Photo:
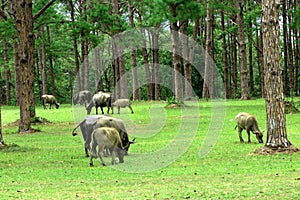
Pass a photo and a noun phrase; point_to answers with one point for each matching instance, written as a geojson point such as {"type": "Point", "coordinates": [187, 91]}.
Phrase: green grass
{"type": "Point", "coordinates": [50, 164]}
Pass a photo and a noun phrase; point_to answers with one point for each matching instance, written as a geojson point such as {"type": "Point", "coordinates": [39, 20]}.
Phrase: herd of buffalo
{"type": "Point", "coordinates": [109, 134]}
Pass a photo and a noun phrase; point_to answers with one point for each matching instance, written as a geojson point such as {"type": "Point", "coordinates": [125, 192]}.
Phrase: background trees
{"type": "Point", "coordinates": [70, 30]}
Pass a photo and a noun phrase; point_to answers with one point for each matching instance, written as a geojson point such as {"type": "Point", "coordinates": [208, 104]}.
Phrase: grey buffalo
{"type": "Point", "coordinates": [91, 122]}
{"type": "Point", "coordinates": [49, 99]}
{"type": "Point", "coordinates": [100, 99]}
{"type": "Point", "coordinates": [83, 97]}
{"type": "Point", "coordinates": [106, 137]}
{"type": "Point", "coordinates": [249, 123]}
{"type": "Point", "coordinates": [122, 103]}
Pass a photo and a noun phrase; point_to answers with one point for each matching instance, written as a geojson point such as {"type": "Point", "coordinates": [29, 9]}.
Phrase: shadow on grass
{"type": "Point", "coordinates": [13, 148]}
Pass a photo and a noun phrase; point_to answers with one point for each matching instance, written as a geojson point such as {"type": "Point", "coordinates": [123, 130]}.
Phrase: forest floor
{"type": "Point", "coordinates": [190, 152]}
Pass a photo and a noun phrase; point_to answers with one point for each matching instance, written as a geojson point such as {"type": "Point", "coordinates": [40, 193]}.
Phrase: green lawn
{"type": "Point", "coordinates": [179, 154]}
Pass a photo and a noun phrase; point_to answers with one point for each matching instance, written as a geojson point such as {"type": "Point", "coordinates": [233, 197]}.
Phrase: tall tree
{"type": "Point", "coordinates": [242, 49]}
{"type": "Point", "coordinates": [208, 73]}
{"type": "Point", "coordinates": [1, 136]}
{"type": "Point", "coordinates": [135, 87]}
{"type": "Point", "coordinates": [277, 139]}
{"type": "Point", "coordinates": [176, 60]}
{"type": "Point", "coordinates": [24, 58]}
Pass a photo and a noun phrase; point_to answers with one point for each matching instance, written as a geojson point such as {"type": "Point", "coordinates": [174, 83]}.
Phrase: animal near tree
{"type": "Point", "coordinates": [277, 139]}
{"type": "Point", "coordinates": [24, 58]}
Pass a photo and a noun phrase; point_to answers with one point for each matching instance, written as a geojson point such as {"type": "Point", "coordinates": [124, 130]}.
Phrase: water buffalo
{"type": "Point", "coordinates": [49, 99]}
{"type": "Point", "coordinates": [92, 122]}
{"type": "Point", "coordinates": [100, 99]}
{"type": "Point", "coordinates": [106, 137]}
{"type": "Point", "coordinates": [122, 103]}
{"type": "Point", "coordinates": [83, 97]}
{"type": "Point", "coordinates": [249, 123]}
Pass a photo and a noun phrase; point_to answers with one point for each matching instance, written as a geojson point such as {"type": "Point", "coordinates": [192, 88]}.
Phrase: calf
{"type": "Point", "coordinates": [249, 123]}
{"type": "Point", "coordinates": [49, 99]}
{"type": "Point", "coordinates": [122, 103]}
{"type": "Point", "coordinates": [106, 137]}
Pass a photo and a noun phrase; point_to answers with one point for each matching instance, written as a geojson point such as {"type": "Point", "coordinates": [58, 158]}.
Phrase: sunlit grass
{"type": "Point", "coordinates": [50, 164]}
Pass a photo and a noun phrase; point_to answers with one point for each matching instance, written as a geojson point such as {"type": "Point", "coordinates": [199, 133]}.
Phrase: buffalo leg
{"type": "Point", "coordinates": [113, 161]}
{"type": "Point", "coordinates": [248, 132]}
{"type": "Point", "coordinates": [86, 152]}
{"type": "Point", "coordinates": [130, 109]}
{"type": "Point", "coordinates": [100, 152]}
{"type": "Point", "coordinates": [102, 110]}
{"type": "Point", "coordinates": [240, 135]}
{"type": "Point", "coordinates": [118, 109]}
{"type": "Point", "coordinates": [91, 160]}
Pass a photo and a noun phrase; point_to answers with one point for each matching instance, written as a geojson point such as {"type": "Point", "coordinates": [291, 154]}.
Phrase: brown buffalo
{"type": "Point", "coordinates": [249, 123]}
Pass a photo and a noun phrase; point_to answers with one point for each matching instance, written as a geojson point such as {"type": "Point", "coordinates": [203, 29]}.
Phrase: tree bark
{"type": "Point", "coordinates": [176, 61]}
{"type": "Point", "coordinates": [7, 73]}
{"type": "Point", "coordinates": [51, 69]}
{"type": "Point", "coordinates": [225, 57]}
{"type": "Point", "coordinates": [234, 65]}
{"type": "Point", "coordinates": [155, 49]}
{"type": "Point", "coordinates": [242, 50]}
{"type": "Point", "coordinates": [276, 120]}
{"type": "Point", "coordinates": [43, 62]}
{"type": "Point", "coordinates": [208, 72]}
{"type": "Point", "coordinates": [24, 60]}
{"type": "Point", "coordinates": [135, 82]}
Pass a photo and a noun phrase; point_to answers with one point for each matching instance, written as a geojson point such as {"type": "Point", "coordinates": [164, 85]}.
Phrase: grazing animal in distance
{"type": "Point", "coordinates": [100, 99]}
{"type": "Point", "coordinates": [249, 123]}
{"type": "Point", "coordinates": [49, 99]}
{"type": "Point", "coordinates": [106, 137]}
{"type": "Point", "coordinates": [91, 122]}
{"type": "Point", "coordinates": [122, 103]}
{"type": "Point", "coordinates": [83, 97]}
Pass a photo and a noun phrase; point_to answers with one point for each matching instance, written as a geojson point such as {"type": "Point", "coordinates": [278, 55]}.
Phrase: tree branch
{"type": "Point", "coordinates": [43, 9]}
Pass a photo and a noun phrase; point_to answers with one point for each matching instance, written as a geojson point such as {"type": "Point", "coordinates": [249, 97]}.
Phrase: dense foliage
{"type": "Point", "coordinates": [69, 31]}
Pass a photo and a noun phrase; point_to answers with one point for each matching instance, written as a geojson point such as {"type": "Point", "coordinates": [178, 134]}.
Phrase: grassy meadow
{"type": "Point", "coordinates": [180, 153]}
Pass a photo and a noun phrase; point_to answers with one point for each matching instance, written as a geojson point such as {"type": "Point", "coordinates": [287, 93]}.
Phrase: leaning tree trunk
{"type": "Point", "coordinates": [276, 122]}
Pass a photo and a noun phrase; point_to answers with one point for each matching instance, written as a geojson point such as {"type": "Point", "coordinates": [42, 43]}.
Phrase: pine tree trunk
{"type": "Point", "coordinates": [234, 65]}
{"type": "Point", "coordinates": [242, 51]}
{"type": "Point", "coordinates": [75, 49]}
{"type": "Point", "coordinates": [155, 37]}
{"type": "Point", "coordinates": [135, 82]}
{"type": "Point", "coordinates": [43, 62]}
{"type": "Point", "coordinates": [24, 60]}
{"type": "Point", "coordinates": [187, 66]}
{"type": "Point", "coordinates": [259, 45]}
{"type": "Point", "coordinates": [1, 136]}
{"type": "Point", "coordinates": [51, 69]}
{"type": "Point", "coordinates": [276, 120]}
{"type": "Point", "coordinates": [225, 60]}
{"type": "Point", "coordinates": [176, 60]}
{"type": "Point", "coordinates": [7, 73]}
{"type": "Point", "coordinates": [208, 72]}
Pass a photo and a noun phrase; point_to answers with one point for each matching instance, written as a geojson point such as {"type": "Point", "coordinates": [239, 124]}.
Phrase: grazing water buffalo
{"type": "Point", "coordinates": [122, 103]}
{"type": "Point", "coordinates": [249, 123]}
{"type": "Point", "coordinates": [49, 99]}
{"type": "Point", "coordinates": [92, 122]}
{"type": "Point", "coordinates": [106, 137]}
{"type": "Point", "coordinates": [83, 97]}
{"type": "Point", "coordinates": [100, 99]}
